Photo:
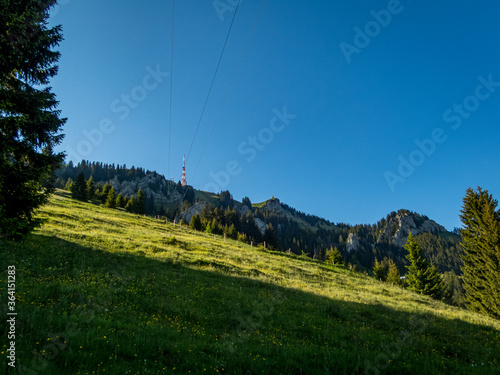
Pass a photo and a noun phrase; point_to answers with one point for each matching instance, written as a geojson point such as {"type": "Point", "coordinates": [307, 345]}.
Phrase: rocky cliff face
{"type": "Point", "coordinates": [403, 223]}
{"type": "Point", "coordinates": [151, 185]}
{"type": "Point", "coordinates": [275, 205]}
{"type": "Point", "coordinates": [261, 225]}
{"type": "Point", "coordinates": [190, 212]}
{"type": "Point", "coordinates": [242, 210]}
{"type": "Point", "coordinates": [352, 243]}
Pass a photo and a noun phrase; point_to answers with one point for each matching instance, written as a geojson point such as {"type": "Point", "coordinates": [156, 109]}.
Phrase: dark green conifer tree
{"type": "Point", "coordinates": [195, 222]}
{"type": "Point", "coordinates": [130, 206]}
{"type": "Point", "coordinates": [379, 270]}
{"type": "Point", "coordinates": [120, 201]}
{"type": "Point", "coordinates": [455, 288]}
{"type": "Point", "coordinates": [105, 192]}
{"type": "Point", "coordinates": [270, 237]}
{"type": "Point", "coordinates": [162, 211]}
{"type": "Point", "coordinates": [246, 202]}
{"type": "Point", "coordinates": [29, 121]}
{"type": "Point", "coordinates": [68, 184]}
{"type": "Point", "coordinates": [226, 200]}
{"type": "Point", "coordinates": [422, 277]}
{"type": "Point", "coordinates": [209, 228]}
{"type": "Point", "coordinates": [111, 200]}
{"type": "Point", "coordinates": [189, 194]}
{"type": "Point", "coordinates": [90, 188]}
{"type": "Point", "coordinates": [334, 257]}
{"type": "Point", "coordinates": [481, 244]}
{"type": "Point", "coordinates": [393, 275]}
{"type": "Point", "coordinates": [216, 227]}
{"type": "Point", "coordinates": [140, 203]}
{"type": "Point", "coordinates": [230, 231]}
{"type": "Point", "coordinates": [79, 188]}
{"type": "Point", "coordinates": [150, 205]}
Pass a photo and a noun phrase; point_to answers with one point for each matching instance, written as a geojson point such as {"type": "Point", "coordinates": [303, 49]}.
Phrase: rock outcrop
{"type": "Point", "coordinates": [190, 212]}
{"type": "Point", "coordinates": [261, 225]}
{"type": "Point", "coordinates": [152, 185]}
{"type": "Point", "coordinates": [275, 205]}
{"type": "Point", "coordinates": [242, 210]}
{"type": "Point", "coordinates": [403, 223]}
{"type": "Point", "coordinates": [352, 242]}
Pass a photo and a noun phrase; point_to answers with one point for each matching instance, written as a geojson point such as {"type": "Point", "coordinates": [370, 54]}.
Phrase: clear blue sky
{"type": "Point", "coordinates": [354, 109]}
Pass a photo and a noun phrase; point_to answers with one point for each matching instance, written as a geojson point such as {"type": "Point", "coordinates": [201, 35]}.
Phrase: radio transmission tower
{"type": "Point", "coordinates": [183, 182]}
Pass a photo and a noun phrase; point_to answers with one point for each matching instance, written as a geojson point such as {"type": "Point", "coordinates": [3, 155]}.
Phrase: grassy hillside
{"type": "Point", "coordinates": [205, 196]}
{"type": "Point", "coordinates": [100, 291]}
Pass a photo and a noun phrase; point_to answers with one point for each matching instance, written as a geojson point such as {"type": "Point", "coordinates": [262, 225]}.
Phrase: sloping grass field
{"type": "Point", "coordinates": [101, 291]}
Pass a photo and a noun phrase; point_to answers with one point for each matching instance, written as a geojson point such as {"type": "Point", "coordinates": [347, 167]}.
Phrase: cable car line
{"type": "Point", "coordinates": [219, 113]}
{"type": "Point", "coordinates": [213, 80]}
{"type": "Point", "coordinates": [171, 89]}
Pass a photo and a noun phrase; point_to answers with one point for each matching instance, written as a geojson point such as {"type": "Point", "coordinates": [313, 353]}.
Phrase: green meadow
{"type": "Point", "coordinates": [101, 291]}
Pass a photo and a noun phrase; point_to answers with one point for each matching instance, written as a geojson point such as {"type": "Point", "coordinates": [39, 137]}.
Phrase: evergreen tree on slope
{"type": "Point", "coordinates": [195, 222]}
{"type": "Point", "coordinates": [334, 257]}
{"type": "Point", "coordinates": [79, 188]}
{"type": "Point", "coordinates": [29, 121]}
{"type": "Point", "coordinates": [393, 275]}
{"type": "Point", "coordinates": [422, 277]}
{"type": "Point", "coordinates": [481, 244]}
{"type": "Point", "coordinates": [105, 192]}
{"type": "Point", "coordinates": [379, 270]}
{"type": "Point", "coordinates": [140, 203]}
{"type": "Point", "coordinates": [270, 237]}
{"type": "Point", "coordinates": [111, 199]}
{"type": "Point", "coordinates": [90, 188]}
{"type": "Point", "coordinates": [120, 201]}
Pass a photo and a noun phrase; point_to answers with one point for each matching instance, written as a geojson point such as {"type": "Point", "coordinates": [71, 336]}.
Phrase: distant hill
{"type": "Point", "coordinates": [295, 231]}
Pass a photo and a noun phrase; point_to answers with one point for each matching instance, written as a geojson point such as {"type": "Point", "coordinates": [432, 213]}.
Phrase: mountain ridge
{"type": "Point", "coordinates": [155, 185]}
{"type": "Point", "coordinates": [296, 231]}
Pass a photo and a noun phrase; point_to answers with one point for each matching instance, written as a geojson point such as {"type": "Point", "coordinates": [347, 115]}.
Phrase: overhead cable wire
{"type": "Point", "coordinates": [236, 71]}
{"type": "Point", "coordinates": [171, 90]}
{"type": "Point", "coordinates": [213, 80]}
{"type": "Point", "coordinates": [252, 31]}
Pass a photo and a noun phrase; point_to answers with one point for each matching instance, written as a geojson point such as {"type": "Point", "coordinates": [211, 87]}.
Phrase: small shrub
{"type": "Point", "coordinates": [172, 241]}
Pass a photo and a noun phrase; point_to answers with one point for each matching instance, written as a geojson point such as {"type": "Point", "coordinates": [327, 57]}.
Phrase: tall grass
{"type": "Point", "coordinates": [100, 291]}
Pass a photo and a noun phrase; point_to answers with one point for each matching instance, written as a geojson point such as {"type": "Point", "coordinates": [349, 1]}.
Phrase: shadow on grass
{"type": "Point", "coordinates": [82, 310]}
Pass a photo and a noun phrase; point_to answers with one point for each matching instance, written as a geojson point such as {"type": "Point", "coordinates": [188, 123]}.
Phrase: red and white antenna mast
{"type": "Point", "coordinates": [183, 182]}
